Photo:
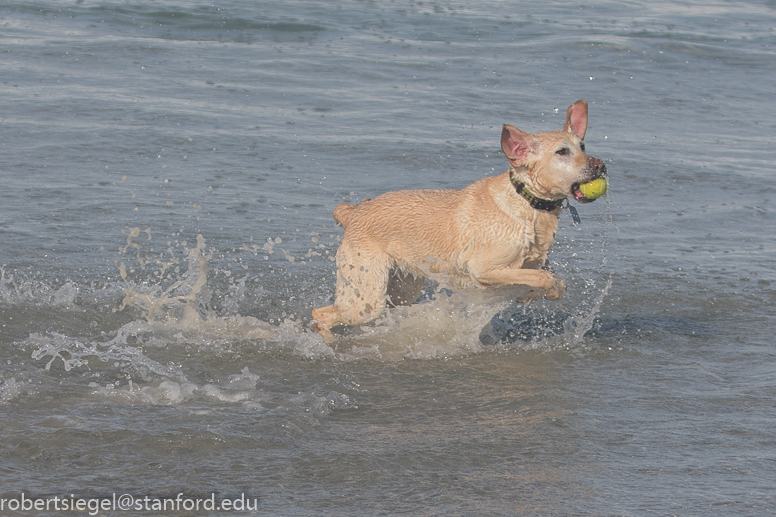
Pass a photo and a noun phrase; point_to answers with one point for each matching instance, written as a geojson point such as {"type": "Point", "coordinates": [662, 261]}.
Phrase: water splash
{"type": "Point", "coordinates": [182, 305]}
{"type": "Point", "coordinates": [172, 292]}
{"type": "Point", "coordinates": [544, 325]}
{"type": "Point", "coordinates": [579, 325]}
{"type": "Point", "coordinates": [445, 325]}
{"type": "Point", "coordinates": [181, 300]}
{"type": "Point", "coordinates": [74, 353]}
{"type": "Point", "coordinates": [239, 387]}
{"type": "Point", "coordinates": [10, 389]}
{"type": "Point", "coordinates": [174, 310]}
{"type": "Point", "coordinates": [18, 291]}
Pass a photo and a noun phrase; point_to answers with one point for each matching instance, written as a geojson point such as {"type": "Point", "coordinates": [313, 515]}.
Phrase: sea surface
{"type": "Point", "coordinates": [168, 172]}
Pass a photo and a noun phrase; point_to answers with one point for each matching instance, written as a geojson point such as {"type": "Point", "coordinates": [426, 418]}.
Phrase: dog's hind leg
{"type": "Point", "coordinates": [362, 280]}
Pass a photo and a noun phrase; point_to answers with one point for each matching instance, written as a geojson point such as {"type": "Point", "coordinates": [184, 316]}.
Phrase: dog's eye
{"type": "Point", "coordinates": [582, 146]}
{"type": "Point", "coordinates": [563, 152]}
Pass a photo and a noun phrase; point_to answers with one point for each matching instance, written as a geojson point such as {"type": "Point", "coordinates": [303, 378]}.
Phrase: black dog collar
{"type": "Point", "coordinates": [548, 205]}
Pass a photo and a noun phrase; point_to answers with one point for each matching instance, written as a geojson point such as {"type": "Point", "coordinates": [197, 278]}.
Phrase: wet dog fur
{"type": "Point", "coordinates": [486, 234]}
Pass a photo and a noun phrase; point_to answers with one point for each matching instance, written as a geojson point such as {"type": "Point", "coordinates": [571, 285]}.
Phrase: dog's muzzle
{"type": "Point", "coordinates": [595, 169]}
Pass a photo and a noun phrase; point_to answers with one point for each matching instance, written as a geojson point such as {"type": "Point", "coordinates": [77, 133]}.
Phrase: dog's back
{"type": "Point", "coordinates": [412, 225]}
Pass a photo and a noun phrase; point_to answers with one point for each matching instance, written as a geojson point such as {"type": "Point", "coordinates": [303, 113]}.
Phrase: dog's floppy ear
{"type": "Point", "coordinates": [515, 144]}
{"type": "Point", "coordinates": [576, 119]}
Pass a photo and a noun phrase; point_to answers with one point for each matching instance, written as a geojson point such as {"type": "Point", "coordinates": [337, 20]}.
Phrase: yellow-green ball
{"type": "Point", "coordinates": [593, 189]}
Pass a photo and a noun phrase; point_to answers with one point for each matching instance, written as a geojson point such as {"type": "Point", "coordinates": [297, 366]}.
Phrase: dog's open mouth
{"type": "Point", "coordinates": [590, 191]}
{"type": "Point", "coordinates": [595, 186]}
{"type": "Point", "coordinates": [577, 194]}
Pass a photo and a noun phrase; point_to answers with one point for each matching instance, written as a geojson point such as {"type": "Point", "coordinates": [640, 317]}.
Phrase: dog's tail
{"type": "Point", "coordinates": [343, 213]}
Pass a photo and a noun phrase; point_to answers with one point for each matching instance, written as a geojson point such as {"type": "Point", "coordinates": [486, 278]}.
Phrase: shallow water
{"type": "Point", "coordinates": [169, 172]}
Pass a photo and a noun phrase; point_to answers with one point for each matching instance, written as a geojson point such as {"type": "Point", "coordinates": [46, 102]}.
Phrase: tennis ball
{"type": "Point", "coordinates": [593, 189]}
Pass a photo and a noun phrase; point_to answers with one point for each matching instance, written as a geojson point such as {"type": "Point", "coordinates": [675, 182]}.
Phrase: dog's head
{"type": "Point", "coordinates": [553, 165]}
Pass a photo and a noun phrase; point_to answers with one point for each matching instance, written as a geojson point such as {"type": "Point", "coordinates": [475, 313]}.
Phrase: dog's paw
{"type": "Point", "coordinates": [531, 295]}
{"type": "Point", "coordinates": [323, 331]}
{"type": "Point", "coordinates": [557, 290]}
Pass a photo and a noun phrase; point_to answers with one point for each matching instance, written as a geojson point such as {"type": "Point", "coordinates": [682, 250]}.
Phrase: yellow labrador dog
{"type": "Point", "coordinates": [496, 232]}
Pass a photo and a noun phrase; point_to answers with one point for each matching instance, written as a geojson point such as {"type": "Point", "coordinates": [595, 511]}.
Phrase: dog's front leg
{"type": "Point", "coordinates": [553, 287]}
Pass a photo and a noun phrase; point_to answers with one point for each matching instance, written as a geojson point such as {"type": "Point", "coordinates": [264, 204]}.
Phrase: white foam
{"type": "Point", "coordinates": [240, 387]}
{"type": "Point", "coordinates": [74, 353]}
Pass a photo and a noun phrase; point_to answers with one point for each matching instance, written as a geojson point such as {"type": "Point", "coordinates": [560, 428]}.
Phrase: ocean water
{"type": "Point", "coordinates": [168, 172]}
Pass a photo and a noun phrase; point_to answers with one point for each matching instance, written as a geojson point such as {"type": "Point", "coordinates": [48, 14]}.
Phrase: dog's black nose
{"type": "Point", "coordinates": [598, 166]}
